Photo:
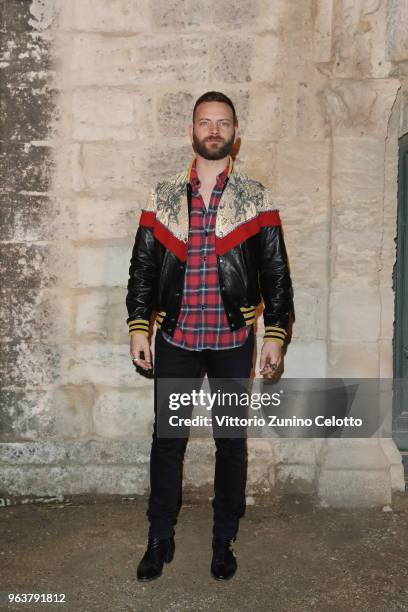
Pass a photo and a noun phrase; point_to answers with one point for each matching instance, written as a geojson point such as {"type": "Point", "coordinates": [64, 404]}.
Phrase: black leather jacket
{"type": "Point", "coordinates": [251, 257]}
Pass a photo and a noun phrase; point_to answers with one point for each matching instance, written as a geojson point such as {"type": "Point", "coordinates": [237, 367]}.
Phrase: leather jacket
{"type": "Point", "coordinates": [251, 257]}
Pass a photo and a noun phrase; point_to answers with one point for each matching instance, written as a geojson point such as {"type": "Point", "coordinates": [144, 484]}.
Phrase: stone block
{"type": "Point", "coordinates": [272, 112]}
{"type": "Point", "coordinates": [101, 315]}
{"type": "Point", "coordinates": [307, 252]}
{"type": "Point", "coordinates": [294, 451]}
{"type": "Point", "coordinates": [231, 59]}
{"type": "Point", "coordinates": [69, 175]}
{"type": "Point", "coordinates": [103, 266]}
{"type": "Point", "coordinates": [386, 358]}
{"type": "Point", "coordinates": [355, 315]}
{"type": "Point", "coordinates": [91, 312]}
{"type": "Point", "coordinates": [295, 479]}
{"type": "Point", "coordinates": [114, 168]}
{"type": "Point", "coordinates": [107, 218]}
{"type": "Point", "coordinates": [27, 362]}
{"type": "Point", "coordinates": [43, 314]}
{"type": "Point", "coordinates": [258, 162]}
{"type": "Point", "coordinates": [97, 60]}
{"type": "Point", "coordinates": [110, 168]}
{"type": "Point", "coordinates": [199, 462]}
{"type": "Point", "coordinates": [355, 260]}
{"type": "Point", "coordinates": [237, 15]}
{"type": "Point", "coordinates": [311, 314]}
{"type": "Point", "coordinates": [26, 60]}
{"type": "Point", "coordinates": [387, 296]}
{"type": "Point", "coordinates": [260, 460]}
{"type": "Point", "coordinates": [306, 359]}
{"type": "Point", "coordinates": [108, 480]}
{"type": "Point", "coordinates": [26, 167]}
{"type": "Point", "coordinates": [396, 466]}
{"type": "Point", "coordinates": [168, 16]}
{"type": "Point", "coordinates": [25, 414]}
{"type": "Point", "coordinates": [359, 108]}
{"type": "Point", "coordinates": [174, 113]}
{"type": "Point", "coordinates": [354, 473]}
{"type": "Point", "coordinates": [309, 195]}
{"type": "Point", "coordinates": [92, 122]}
{"type": "Point", "coordinates": [99, 364]}
{"type": "Point", "coordinates": [358, 165]}
{"type": "Point", "coordinates": [32, 481]}
{"type": "Point", "coordinates": [123, 414]}
{"type": "Point", "coordinates": [311, 119]}
{"type": "Point", "coordinates": [353, 489]}
{"type": "Point", "coordinates": [53, 481]}
{"type": "Point", "coordinates": [359, 40]}
{"type": "Point", "coordinates": [323, 31]}
{"type": "Point", "coordinates": [357, 359]}
{"type": "Point", "coordinates": [396, 41]}
{"type": "Point", "coordinates": [110, 15]}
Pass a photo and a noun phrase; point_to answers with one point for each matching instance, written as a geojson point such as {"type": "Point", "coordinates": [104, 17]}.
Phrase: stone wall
{"type": "Point", "coordinates": [95, 101]}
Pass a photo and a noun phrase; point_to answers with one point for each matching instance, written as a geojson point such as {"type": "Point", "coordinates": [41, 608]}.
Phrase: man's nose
{"type": "Point", "coordinates": [214, 128]}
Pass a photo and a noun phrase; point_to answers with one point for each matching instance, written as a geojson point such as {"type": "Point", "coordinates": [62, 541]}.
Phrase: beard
{"type": "Point", "coordinates": [208, 150]}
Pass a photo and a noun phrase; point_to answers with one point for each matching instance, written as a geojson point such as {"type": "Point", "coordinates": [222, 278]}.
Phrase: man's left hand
{"type": "Point", "coordinates": [271, 358]}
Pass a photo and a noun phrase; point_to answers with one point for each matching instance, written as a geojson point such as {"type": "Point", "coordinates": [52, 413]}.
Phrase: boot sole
{"type": "Point", "coordinates": [223, 579]}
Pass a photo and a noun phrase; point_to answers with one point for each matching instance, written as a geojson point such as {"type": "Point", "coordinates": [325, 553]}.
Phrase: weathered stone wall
{"type": "Point", "coordinates": [95, 101]}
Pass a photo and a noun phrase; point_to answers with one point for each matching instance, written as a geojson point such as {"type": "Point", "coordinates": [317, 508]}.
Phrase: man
{"type": "Point", "coordinates": [209, 245]}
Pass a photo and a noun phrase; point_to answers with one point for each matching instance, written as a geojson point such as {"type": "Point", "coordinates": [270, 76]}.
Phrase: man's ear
{"type": "Point", "coordinates": [190, 131]}
{"type": "Point", "coordinates": [237, 132]}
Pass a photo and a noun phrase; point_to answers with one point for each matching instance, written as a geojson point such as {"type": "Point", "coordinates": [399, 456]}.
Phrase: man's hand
{"type": "Point", "coordinates": [271, 358]}
{"type": "Point", "coordinates": [139, 343]}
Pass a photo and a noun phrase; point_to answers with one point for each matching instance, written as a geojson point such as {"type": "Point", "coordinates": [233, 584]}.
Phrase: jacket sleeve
{"type": "Point", "coordinates": [143, 274]}
{"type": "Point", "coordinates": [274, 274]}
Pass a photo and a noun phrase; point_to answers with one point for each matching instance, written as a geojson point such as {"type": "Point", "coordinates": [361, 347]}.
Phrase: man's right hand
{"type": "Point", "coordinates": [139, 343]}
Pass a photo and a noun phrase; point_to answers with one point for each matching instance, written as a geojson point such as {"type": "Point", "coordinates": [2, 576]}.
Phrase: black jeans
{"type": "Point", "coordinates": [167, 454]}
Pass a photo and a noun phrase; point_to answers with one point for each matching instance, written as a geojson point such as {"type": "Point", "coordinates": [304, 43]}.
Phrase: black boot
{"type": "Point", "coordinates": [158, 551]}
{"type": "Point", "coordinates": [224, 563]}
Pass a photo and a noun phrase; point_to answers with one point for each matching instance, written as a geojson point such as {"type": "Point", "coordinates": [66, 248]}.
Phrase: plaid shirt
{"type": "Point", "coordinates": [202, 322]}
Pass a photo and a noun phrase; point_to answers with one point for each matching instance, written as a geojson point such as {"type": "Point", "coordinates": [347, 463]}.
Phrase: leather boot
{"type": "Point", "coordinates": [224, 563]}
{"type": "Point", "coordinates": [158, 551]}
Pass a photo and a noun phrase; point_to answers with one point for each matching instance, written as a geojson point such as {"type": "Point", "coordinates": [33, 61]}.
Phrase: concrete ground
{"type": "Point", "coordinates": [292, 556]}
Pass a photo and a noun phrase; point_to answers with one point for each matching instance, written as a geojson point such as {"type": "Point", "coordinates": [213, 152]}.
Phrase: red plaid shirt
{"type": "Point", "coordinates": [202, 322]}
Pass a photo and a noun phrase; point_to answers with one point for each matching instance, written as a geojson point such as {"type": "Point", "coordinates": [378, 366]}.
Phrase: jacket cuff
{"type": "Point", "coordinates": [274, 334]}
{"type": "Point", "coordinates": [138, 326]}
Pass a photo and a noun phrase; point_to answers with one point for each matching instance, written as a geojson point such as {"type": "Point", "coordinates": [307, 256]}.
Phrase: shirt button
{"type": "Point", "coordinates": [221, 259]}
{"type": "Point", "coordinates": [223, 288]}
{"type": "Point", "coordinates": [204, 258]}
{"type": "Point", "coordinates": [202, 306]}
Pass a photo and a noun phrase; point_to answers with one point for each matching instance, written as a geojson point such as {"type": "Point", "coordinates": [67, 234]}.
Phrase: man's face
{"type": "Point", "coordinates": [213, 133]}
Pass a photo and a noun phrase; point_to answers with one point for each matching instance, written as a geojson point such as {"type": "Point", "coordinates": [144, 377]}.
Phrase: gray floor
{"type": "Point", "coordinates": [292, 555]}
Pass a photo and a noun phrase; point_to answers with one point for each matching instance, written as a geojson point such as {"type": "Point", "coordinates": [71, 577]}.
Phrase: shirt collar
{"type": "Point", "coordinates": [221, 177]}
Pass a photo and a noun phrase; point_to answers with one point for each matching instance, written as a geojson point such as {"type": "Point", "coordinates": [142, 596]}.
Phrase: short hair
{"type": "Point", "coordinates": [215, 96]}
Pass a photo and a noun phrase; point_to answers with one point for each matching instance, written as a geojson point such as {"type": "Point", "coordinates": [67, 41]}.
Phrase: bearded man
{"type": "Point", "coordinates": [209, 248]}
